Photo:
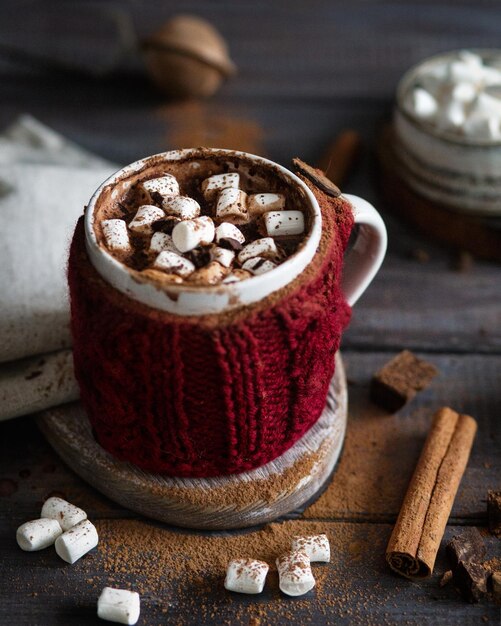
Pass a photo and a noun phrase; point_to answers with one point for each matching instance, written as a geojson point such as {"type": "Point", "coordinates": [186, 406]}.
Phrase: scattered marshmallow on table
{"type": "Point", "coordinates": [294, 572]}
{"type": "Point", "coordinates": [116, 235]}
{"type": "Point", "coordinates": [226, 230]}
{"type": "Point", "coordinates": [259, 203]}
{"type": "Point", "coordinates": [317, 547]}
{"type": "Point", "coordinates": [258, 265]}
{"type": "Point", "coordinates": [214, 184]}
{"type": "Point", "coordinates": [161, 242]}
{"type": "Point", "coordinates": [146, 215]}
{"type": "Point", "coordinates": [189, 234]}
{"type": "Point", "coordinates": [232, 206]}
{"type": "Point", "coordinates": [264, 247]}
{"type": "Point", "coordinates": [163, 186]}
{"type": "Point", "coordinates": [119, 605]}
{"type": "Point", "coordinates": [38, 534]}
{"type": "Point", "coordinates": [174, 263]}
{"type": "Point", "coordinates": [246, 576]}
{"type": "Point", "coordinates": [67, 514]}
{"type": "Point", "coordinates": [283, 223]}
{"type": "Point", "coordinates": [181, 206]}
{"type": "Point", "coordinates": [77, 541]}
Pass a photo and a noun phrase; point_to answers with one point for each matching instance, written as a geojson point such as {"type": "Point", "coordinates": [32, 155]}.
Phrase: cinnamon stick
{"type": "Point", "coordinates": [420, 526]}
{"type": "Point", "coordinates": [340, 156]}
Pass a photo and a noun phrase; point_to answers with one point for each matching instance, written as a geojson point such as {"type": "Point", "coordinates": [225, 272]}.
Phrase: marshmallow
{"type": "Point", "coordinates": [451, 116]}
{"type": "Point", "coordinates": [482, 127]}
{"type": "Point", "coordinates": [222, 255]}
{"type": "Point", "coordinates": [232, 205]}
{"type": "Point", "coordinates": [488, 104]}
{"type": "Point", "coordinates": [116, 235]}
{"type": "Point", "coordinates": [257, 265]}
{"type": "Point", "coordinates": [118, 605]}
{"type": "Point", "coordinates": [225, 230]}
{"type": "Point", "coordinates": [161, 242]}
{"type": "Point", "coordinates": [77, 541]}
{"type": "Point", "coordinates": [422, 103]}
{"type": "Point", "coordinates": [260, 203]}
{"type": "Point", "coordinates": [174, 263]}
{"type": "Point", "coordinates": [264, 247]}
{"type": "Point", "coordinates": [236, 276]}
{"type": "Point", "coordinates": [189, 234]}
{"type": "Point", "coordinates": [164, 186]}
{"type": "Point", "coordinates": [283, 223]}
{"type": "Point", "coordinates": [214, 184]}
{"type": "Point", "coordinates": [211, 274]}
{"type": "Point", "coordinates": [181, 206]}
{"type": "Point", "coordinates": [316, 547]}
{"type": "Point", "coordinates": [294, 572]}
{"type": "Point", "coordinates": [68, 515]}
{"type": "Point", "coordinates": [464, 92]}
{"type": "Point", "coordinates": [38, 534]}
{"type": "Point", "coordinates": [246, 576]}
{"type": "Point", "coordinates": [146, 215]}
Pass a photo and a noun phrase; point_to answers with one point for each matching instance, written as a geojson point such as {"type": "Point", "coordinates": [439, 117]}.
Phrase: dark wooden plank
{"type": "Point", "coordinates": [180, 579]}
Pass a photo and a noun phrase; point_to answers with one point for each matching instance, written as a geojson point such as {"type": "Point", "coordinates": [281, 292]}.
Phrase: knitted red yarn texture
{"type": "Point", "coordinates": [208, 396]}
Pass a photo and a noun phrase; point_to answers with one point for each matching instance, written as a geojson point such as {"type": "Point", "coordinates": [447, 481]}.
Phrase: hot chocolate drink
{"type": "Point", "coordinates": [206, 220]}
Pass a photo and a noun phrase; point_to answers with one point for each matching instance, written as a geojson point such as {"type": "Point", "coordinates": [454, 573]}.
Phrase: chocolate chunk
{"type": "Point", "coordinates": [316, 177]}
{"type": "Point", "coordinates": [199, 256]}
{"type": "Point", "coordinates": [164, 225]}
{"type": "Point", "coordinates": [446, 578]}
{"type": "Point", "coordinates": [494, 512]}
{"type": "Point", "coordinates": [230, 244]}
{"type": "Point", "coordinates": [470, 579]}
{"type": "Point", "coordinates": [468, 546]}
{"type": "Point", "coordinates": [399, 380]}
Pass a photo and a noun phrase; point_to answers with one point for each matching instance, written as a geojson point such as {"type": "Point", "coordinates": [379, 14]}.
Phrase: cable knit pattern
{"type": "Point", "coordinates": [202, 396]}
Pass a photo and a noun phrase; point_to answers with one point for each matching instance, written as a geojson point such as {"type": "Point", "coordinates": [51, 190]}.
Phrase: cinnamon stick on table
{"type": "Point", "coordinates": [420, 526]}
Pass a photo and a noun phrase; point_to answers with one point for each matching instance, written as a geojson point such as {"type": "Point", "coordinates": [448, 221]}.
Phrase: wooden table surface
{"type": "Point", "coordinates": [307, 70]}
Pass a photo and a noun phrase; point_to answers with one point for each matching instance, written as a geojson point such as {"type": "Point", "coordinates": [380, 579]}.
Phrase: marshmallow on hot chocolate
{"type": "Point", "coordinates": [317, 547]}
{"type": "Point", "coordinates": [283, 223]}
{"type": "Point", "coordinates": [232, 206]}
{"type": "Point", "coordinates": [260, 203]}
{"type": "Point", "coordinates": [38, 534]}
{"type": "Point", "coordinates": [225, 230]}
{"type": "Point", "coordinates": [181, 206]}
{"type": "Point", "coordinates": [264, 247]}
{"type": "Point", "coordinates": [258, 265]}
{"type": "Point", "coordinates": [246, 576]}
{"type": "Point", "coordinates": [161, 242]}
{"type": "Point", "coordinates": [77, 541]}
{"type": "Point", "coordinates": [222, 255]}
{"type": "Point", "coordinates": [146, 215]}
{"type": "Point", "coordinates": [294, 572]}
{"type": "Point", "coordinates": [119, 605]}
{"type": "Point", "coordinates": [214, 184]}
{"type": "Point", "coordinates": [162, 187]}
{"type": "Point", "coordinates": [189, 234]}
{"type": "Point", "coordinates": [67, 514]}
{"type": "Point", "coordinates": [116, 235]}
{"type": "Point", "coordinates": [174, 264]}
{"type": "Point", "coordinates": [211, 274]}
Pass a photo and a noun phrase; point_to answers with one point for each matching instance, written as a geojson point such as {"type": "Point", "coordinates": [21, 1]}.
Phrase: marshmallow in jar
{"type": "Point", "coordinates": [447, 129]}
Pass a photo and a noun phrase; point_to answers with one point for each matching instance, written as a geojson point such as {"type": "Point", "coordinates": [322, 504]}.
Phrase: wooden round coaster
{"type": "Point", "coordinates": [235, 501]}
{"type": "Point", "coordinates": [479, 235]}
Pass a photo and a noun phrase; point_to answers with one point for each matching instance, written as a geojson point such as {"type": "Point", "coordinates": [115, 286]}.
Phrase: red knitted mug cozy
{"type": "Point", "coordinates": [216, 394]}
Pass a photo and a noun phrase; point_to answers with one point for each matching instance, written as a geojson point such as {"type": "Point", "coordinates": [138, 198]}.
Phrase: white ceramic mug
{"type": "Point", "coordinates": [361, 263]}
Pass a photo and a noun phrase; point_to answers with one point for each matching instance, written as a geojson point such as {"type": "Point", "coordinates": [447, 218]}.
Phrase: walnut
{"type": "Point", "coordinates": [187, 57]}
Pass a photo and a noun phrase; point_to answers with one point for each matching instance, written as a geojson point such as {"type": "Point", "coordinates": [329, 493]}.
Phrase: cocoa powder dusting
{"type": "Point", "coordinates": [201, 124]}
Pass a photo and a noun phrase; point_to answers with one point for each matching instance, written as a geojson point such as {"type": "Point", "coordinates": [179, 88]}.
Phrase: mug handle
{"type": "Point", "coordinates": [365, 255]}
